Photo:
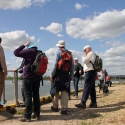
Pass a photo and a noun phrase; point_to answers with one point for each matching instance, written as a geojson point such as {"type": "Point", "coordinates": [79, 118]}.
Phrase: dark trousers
{"type": "Point", "coordinates": [22, 91]}
{"type": "Point", "coordinates": [76, 82]}
{"type": "Point", "coordinates": [89, 87]}
{"type": "Point", "coordinates": [31, 89]}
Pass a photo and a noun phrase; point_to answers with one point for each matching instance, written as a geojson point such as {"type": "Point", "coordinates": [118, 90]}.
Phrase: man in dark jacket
{"type": "Point", "coordinates": [78, 69]}
{"type": "Point", "coordinates": [30, 80]}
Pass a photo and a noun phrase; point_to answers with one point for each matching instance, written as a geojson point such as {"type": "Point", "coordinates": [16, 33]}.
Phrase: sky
{"type": "Point", "coordinates": [98, 23]}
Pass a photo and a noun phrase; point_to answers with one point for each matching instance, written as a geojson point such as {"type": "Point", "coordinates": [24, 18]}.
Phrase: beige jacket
{"type": "Point", "coordinates": [2, 59]}
{"type": "Point", "coordinates": [86, 61]}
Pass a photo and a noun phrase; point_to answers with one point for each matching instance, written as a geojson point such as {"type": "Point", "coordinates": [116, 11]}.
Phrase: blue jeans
{"type": "Point", "coordinates": [89, 87]}
{"type": "Point", "coordinates": [76, 82]}
{"type": "Point", "coordinates": [31, 89]}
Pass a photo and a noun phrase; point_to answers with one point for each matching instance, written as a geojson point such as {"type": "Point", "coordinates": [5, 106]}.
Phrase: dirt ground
{"type": "Point", "coordinates": [110, 111]}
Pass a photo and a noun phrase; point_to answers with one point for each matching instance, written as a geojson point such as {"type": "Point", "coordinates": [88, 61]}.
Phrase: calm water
{"type": "Point", "coordinates": [44, 90]}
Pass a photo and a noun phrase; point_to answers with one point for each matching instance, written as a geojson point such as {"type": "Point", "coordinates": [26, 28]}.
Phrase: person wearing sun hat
{"type": "Point", "coordinates": [31, 82]}
{"type": "Point", "coordinates": [89, 79]}
{"type": "Point", "coordinates": [60, 81]}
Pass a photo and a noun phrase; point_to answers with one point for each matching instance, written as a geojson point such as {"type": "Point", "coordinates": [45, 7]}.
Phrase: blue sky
{"type": "Point", "coordinates": [99, 23]}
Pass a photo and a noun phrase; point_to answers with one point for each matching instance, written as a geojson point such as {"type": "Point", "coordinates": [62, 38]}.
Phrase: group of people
{"type": "Point", "coordinates": [60, 81]}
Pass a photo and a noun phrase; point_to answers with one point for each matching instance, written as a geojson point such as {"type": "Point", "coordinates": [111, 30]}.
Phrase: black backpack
{"type": "Point", "coordinates": [105, 89]}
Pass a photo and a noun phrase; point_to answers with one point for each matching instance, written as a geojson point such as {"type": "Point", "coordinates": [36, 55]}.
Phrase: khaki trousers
{"type": "Point", "coordinates": [63, 100]}
{"type": "Point", "coordinates": [1, 84]}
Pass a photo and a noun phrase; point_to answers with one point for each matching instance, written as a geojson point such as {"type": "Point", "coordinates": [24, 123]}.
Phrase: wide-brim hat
{"type": "Point", "coordinates": [61, 43]}
{"type": "Point", "coordinates": [85, 47]}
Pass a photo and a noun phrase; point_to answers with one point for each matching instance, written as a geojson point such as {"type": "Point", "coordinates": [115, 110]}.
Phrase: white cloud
{"type": "Point", "coordinates": [19, 60]}
{"type": "Point", "coordinates": [8, 64]}
{"type": "Point", "coordinates": [113, 60]}
{"type": "Point", "coordinates": [116, 51]}
{"type": "Point", "coordinates": [59, 35]}
{"type": "Point", "coordinates": [85, 6]}
{"type": "Point", "coordinates": [78, 6]}
{"type": "Point", "coordinates": [105, 25]}
{"type": "Point", "coordinates": [14, 4]}
{"type": "Point", "coordinates": [114, 43]}
{"type": "Point", "coordinates": [11, 40]}
{"type": "Point", "coordinates": [19, 4]}
{"type": "Point", "coordinates": [53, 28]}
{"type": "Point", "coordinates": [40, 2]}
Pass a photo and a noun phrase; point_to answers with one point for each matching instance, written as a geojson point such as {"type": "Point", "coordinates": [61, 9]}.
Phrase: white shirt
{"type": "Point", "coordinates": [86, 61]}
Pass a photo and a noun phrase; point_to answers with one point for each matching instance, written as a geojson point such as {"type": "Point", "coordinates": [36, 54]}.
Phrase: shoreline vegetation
{"type": "Point", "coordinates": [46, 77]}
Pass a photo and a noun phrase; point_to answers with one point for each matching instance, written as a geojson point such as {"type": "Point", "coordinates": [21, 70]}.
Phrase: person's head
{"type": "Point", "coordinates": [102, 71]}
{"type": "Point", "coordinates": [76, 60]}
{"type": "Point", "coordinates": [87, 49]}
{"type": "Point", "coordinates": [0, 40]}
{"type": "Point", "coordinates": [31, 45]}
{"type": "Point", "coordinates": [105, 70]}
{"type": "Point", "coordinates": [61, 44]}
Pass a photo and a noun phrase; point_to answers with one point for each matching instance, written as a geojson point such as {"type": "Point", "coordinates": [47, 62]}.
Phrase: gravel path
{"type": "Point", "coordinates": [110, 111]}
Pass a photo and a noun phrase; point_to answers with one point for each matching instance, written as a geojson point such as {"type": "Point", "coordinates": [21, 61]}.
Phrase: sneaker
{"type": "Point", "coordinates": [23, 119]}
{"type": "Point", "coordinates": [1, 106]}
{"type": "Point", "coordinates": [54, 109]}
{"type": "Point", "coordinates": [93, 105]}
{"type": "Point", "coordinates": [73, 95]}
{"type": "Point", "coordinates": [83, 106]}
{"type": "Point", "coordinates": [63, 112]}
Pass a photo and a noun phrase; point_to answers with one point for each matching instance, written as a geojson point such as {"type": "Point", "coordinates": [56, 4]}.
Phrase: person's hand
{"type": "Point", "coordinates": [80, 71]}
{"type": "Point", "coordinates": [51, 78]}
{"type": "Point", "coordinates": [27, 43]}
{"type": "Point", "coordinates": [5, 74]}
{"type": "Point", "coordinates": [15, 70]}
{"type": "Point", "coordinates": [85, 55]}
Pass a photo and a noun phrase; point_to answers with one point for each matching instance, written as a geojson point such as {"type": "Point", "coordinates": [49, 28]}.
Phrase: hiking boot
{"type": "Point", "coordinates": [83, 106]}
{"type": "Point", "coordinates": [1, 106]}
{"type": "Point", "coordinates": [63, 112]}
{"type": "Point", "coordinates": [54, 109]}
{"type": "Point", "coordinates": [23, 119]}
{"type": "Point", "coordinates": [93, 105]}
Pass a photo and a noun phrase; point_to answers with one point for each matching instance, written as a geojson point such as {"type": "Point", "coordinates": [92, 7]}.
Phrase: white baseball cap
{"type": "Point", "coordinates": [75, 58]}
{"type": "Point", "coordinates": [85, 47]}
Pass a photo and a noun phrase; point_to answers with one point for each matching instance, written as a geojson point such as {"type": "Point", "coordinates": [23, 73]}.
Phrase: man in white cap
{"type": "Point", "coordinates": [61, 78]}
{"type": "Point", "coordinates": [89, 80]}
{"type": "Point", "coordinates": [78, 71]}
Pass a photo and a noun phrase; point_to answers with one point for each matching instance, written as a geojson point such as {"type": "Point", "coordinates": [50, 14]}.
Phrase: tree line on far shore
{"type": "Point", "coordinates": [46, 77]}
